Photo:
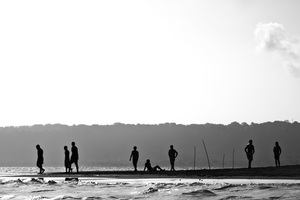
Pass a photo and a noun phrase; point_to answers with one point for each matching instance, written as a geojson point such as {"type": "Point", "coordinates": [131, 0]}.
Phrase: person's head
{"type": "Point", "coordinates": [37, 146]}
{"type": "Point", "coordinates": [276, 143]}
{"type": "Point", "coordinates": [171, 146]}
{"type": "Point", "coordinates": [73, 143]}
{"type": "Point", "coordinates": [147, 161]}
{"type": "Point", "coordinates": [250, 141]}
{"type": "Point", "coordinates": [65, 147]}
{"type": "Point", "coordinates": [134, 147]}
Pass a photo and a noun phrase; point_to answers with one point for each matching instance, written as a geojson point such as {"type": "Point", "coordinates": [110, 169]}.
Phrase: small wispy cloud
{"type": "Point", "coordinates": [272, 37]}
{"type": "Point", "coordinates": [293, 68]}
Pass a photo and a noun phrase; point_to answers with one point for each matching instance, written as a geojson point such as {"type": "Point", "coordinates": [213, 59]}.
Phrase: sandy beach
{"type": "Point", "coordinates": [284, 172]}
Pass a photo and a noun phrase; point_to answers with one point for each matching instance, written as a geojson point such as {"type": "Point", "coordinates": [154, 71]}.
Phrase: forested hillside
{"type": "Point", "coordinates": [111, 145]}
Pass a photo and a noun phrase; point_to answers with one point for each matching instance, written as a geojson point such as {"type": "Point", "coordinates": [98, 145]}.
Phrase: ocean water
{"type": "Point", "coordinates": [13, 187]}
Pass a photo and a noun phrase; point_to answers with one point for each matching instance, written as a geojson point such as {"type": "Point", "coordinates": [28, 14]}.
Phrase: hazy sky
{"type": "Point", "coordinates": [101, 62]}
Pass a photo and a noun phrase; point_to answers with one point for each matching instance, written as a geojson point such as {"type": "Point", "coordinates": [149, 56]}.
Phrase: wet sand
{"type": "Point", "coordinates": [284, 172]}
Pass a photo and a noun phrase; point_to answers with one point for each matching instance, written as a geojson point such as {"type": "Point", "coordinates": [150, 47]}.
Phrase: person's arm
{"type": "Point", "coordinates": [246, 149]}
{"type": "Point", "coordinates": [176, 153]}
{"type": "Point", "coordinates": [130, 157]}
{"type": "Point", "coordinates": [253, 150]}
{"type": "Point", "coordinates": [279, 150]}
{"type": "Point", "coordinates": [145, 167]}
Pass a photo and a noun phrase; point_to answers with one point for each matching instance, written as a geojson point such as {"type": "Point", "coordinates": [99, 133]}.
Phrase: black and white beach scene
{"type": "Point", "coordinates": [140, 99]}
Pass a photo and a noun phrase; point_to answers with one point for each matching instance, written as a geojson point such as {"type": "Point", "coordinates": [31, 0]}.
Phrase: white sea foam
{"type": "Point", "coordinates": [107, 188]}
{"type": "Point", "coordinates": [57, 188]}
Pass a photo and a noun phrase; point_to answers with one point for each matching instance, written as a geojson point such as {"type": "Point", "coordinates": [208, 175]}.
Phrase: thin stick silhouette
{"type": "Point", "coordinates": [233, 159]}
{"type": "Point", "coordinates": [223, 159]}
{"type": "Point", "coordinates": [206, 154]}
{"type": "Point", "coordinates": [194, 157]}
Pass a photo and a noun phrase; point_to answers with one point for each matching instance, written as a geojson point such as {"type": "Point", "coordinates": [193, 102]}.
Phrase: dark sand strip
{"type": "Point", "coordinates": [284, 172]}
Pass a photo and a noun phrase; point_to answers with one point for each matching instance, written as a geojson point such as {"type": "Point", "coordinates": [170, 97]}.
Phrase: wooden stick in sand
{"type": "Point", "coordinates": [206, 154]}
{"type": "Point", "coordinates": [223, 159]}
{"type": "Point", "coordinates": [233, 159]}
{"type": "Point", "coordinates": [194, 157]}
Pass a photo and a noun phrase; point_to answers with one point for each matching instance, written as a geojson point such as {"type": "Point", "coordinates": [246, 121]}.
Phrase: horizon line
{"type": "Point", "coordinates": [135, 124]}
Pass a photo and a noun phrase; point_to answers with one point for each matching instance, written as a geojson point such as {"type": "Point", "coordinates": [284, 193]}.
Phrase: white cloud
{"type": "Point", "coordinates": [272, 37]}
{"type": "Point", "coordinates": [293, 68]}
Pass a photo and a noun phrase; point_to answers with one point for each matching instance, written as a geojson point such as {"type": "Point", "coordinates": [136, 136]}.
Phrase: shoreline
{"type": "Point", "coordinates": [283, 172]}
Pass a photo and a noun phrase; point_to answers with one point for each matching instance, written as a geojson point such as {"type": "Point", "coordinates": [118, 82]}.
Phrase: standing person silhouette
{"type": "Point", "coordinates": [40, 159]}
{"type": "Point", "coordinates": [135, 157]}
{"type": "Point", "coordinates": [172, 155]}
{"type": "Point", "coordinates": [67, 159]}
{"type": "Point", "coordinates": [74, 157]}
{"type": "Point", "coordinates": [249, 149]}
{"type": "Point", "coordinates": [277, 152]}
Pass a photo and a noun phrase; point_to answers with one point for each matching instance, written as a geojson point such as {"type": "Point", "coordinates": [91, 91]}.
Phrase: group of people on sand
{"type": "Point", "coordinates": [249, 149]}
{"type": "Point", "coordinates": [68, 161]}
{"type": "Point", "coordinates": [134, 156]}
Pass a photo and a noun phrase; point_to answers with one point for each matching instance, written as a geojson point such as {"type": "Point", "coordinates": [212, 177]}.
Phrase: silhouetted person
{"type": "Point", "coordinates": [149, 168]}
{"type": "Point", "coordinates": [74, 157]}
{"type": "Point", "coordinates": [277, 152]}
{"type": "Point", "coordinates": [249, 149]}
{"type": "Point", "coordinates": [67, 159]}
{"type": "Point", "coordinates": [135, 157]}
{"type": "Point", "coordinates": [172, 155]}
{"type": "Point", "coordinates": [40, 159]}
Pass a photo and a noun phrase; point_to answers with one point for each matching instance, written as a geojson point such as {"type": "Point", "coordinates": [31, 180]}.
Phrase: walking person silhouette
{"type": "Point", "coordinates": [67, 159]}
{"type": "Point", "coordinates": [249, 149]}
{"type": "Point", "coordinates": [172, 155]}
{"type": "Point", "coordinates": [74, 157]}
{"type": "Point", "coordinates": [135, 157]}
{"type": "Point", "coordinates": [277, 152]}
{"type": "Point", "coordinates": [40, 159]}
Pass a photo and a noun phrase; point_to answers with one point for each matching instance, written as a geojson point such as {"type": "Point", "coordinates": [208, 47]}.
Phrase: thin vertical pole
{"type": "Point", "coordinates": [223, 159]}
{"type": "Point", "coordinates": [233, 159]}
{"type": "Point", "coordinates": [194, 157]}
{"type": "Point", "coordinates": [206, 154]}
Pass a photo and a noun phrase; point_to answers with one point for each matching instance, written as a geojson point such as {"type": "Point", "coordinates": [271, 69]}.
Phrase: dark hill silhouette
{"type": "Point", "coordinates": [111, 145]}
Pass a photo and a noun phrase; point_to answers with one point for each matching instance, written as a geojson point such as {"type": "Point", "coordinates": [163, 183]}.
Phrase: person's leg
{"type": "Point", "coordinates": [173, 164]}
{"type": "Point", "coordinates": [135, 165]}
{"type": "Point", "coordinates": [76, 164]}
{"type": "Point", "coordinates": [42, 169]}
{"type": "Point", "coordinates": [70, 166]}
{"type": "Point", "coordinates": [249, 164]}
{"type": "Point", "coordinates": [158, 167]}
{"type": "Point", "coordinates": [39, 166]}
